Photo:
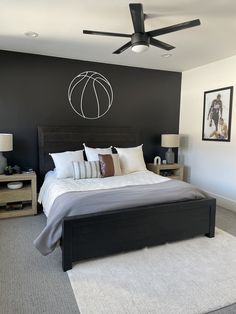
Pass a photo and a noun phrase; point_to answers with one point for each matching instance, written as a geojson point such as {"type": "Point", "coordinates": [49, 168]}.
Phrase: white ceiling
{"type": "Point", "coordinates": [60, 24]}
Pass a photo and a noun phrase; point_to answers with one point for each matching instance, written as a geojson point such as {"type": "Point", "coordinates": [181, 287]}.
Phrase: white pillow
{"type": "Point", "coordinates": [131, 159]}
{"type": "Point", "coordinates": [92, 153]}
{"type": "Point", "coordinates": [63, 163]}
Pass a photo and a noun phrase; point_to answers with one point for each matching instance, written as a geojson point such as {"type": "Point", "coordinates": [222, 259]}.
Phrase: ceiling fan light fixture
{"type": "Point", "coordinates": [139, 42]}
{"type": "Point", "coordinates": [139, 48]}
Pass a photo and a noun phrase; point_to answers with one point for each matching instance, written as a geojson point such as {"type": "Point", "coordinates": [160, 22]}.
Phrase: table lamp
{"type": "Point", "coordinates": [170, 141]}
{"type": "Point", "coordinates": [6, 145]}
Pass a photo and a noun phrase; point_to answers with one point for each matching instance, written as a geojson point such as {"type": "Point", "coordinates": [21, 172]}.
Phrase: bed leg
{"type": "Point", "coordinates": [66, 264]}
{"type": "Point", "coordinates": [210, 234]}
{"type": "Point", "coordinates": [212, 217]}
{"type": "Point", "coordinates": [66, 246]}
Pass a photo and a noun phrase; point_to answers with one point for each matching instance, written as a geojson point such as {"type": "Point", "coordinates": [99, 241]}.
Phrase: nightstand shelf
{"type": "Point", "coordinates": [25, 197]}
{"type": "Point", "coordinates": [173, 171]}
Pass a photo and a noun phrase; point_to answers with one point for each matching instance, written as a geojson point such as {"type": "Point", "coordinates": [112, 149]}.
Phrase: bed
{"type": "Point", "coordinates": [113, 231]}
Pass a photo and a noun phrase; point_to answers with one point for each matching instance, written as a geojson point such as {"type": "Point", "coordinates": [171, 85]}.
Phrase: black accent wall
{"type": "Point", "coordinates": [33, 92]}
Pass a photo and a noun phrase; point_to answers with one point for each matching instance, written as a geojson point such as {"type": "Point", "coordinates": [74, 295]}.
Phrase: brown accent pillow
{"type": "Point", "coordinates": [106, 165]}
{"type": "Point", "coordinates": [109, 165]}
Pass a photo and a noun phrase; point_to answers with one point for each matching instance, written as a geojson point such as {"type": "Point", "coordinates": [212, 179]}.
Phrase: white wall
{"type": "Point", "coordinates": [209, 165]}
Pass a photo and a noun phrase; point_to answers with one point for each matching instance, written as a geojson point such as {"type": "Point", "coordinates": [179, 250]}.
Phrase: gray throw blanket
{"type": "Point", "coordinates": [79, 203]}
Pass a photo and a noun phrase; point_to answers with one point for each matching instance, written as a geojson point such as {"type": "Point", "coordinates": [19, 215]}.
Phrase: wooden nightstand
{"type": "Point", "coordinates": [26, 196]}
{"type": "Point", "coordinates": [175, 171]}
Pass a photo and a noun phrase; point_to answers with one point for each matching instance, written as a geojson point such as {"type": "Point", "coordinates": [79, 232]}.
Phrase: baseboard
{"type": "Point", "coordinates": [223, 202]}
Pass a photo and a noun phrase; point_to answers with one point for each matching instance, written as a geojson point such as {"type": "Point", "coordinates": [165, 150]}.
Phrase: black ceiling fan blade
{"type": "Point", "coordinates": [174, 28]}
{"type": "Point", "coordinates": [136, 10]}
{"type": "Point", "coordinates": [160, 44]}
{"type": "Point", "coordinates": [105, 33]}
{"type": "Point", "coordinates": [123, 48]}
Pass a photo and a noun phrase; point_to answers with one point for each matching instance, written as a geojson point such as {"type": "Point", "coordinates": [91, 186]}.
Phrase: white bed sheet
{"type": "Point", "coordinates": [53, 187]}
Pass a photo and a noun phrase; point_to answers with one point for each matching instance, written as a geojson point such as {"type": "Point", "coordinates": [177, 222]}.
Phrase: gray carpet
{"type": "Point", "coordinates": [31, 283]}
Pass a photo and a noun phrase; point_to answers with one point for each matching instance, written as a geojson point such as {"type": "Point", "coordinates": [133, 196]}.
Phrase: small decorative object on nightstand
{"type": "Point", "coordinates": [21, 201]}
{"type": "Point", "coordinates": [14, 185]}
{"type": "Point", "coordinates": [8, 171]}
{"type": "Point", "coordinates": [170, 141]}
{"type": "Point", "coordinates": [173, 171]}
{"type": "Point", "coordinates": [157, 160]}
{"type": "Point", "coordinates": [6, 145]}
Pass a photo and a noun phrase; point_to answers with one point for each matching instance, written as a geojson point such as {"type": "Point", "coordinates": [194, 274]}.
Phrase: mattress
{"type": "Point", "coordinates": [53, 187]}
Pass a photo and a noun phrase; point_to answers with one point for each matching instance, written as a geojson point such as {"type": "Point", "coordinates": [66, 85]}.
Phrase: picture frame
{"type": "Point", "coordinates": [217, 113]}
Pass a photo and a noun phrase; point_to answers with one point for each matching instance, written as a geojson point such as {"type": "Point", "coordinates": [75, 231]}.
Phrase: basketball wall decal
{"type": "Point", "coordinates": [90, 95]}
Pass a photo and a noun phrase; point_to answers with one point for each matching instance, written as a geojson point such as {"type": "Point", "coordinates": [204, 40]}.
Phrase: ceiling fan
{"type": "Point", "coordinates": [140, 40]}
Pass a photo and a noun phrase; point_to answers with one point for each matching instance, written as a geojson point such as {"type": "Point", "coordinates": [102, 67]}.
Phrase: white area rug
{"type": "Point", "coordinates": [192, 276]}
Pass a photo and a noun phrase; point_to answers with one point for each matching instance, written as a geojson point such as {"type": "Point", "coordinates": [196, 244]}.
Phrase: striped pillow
{"type": "Point", "coordinates": [86, 169]}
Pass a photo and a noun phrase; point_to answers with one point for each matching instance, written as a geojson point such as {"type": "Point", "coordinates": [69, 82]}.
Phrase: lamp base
{"type": "Point", "coordinates": [3, 163]}
{"type": "Point", "coordinates": [170, 156]}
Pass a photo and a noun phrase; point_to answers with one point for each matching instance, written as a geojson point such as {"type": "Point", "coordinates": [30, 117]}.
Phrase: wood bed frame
{"type": "Point", "coordinates": [110, 232]}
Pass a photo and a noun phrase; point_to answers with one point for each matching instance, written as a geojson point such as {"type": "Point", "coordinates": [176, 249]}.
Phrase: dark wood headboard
{"type": "Point", "coordinates": [53, 139]}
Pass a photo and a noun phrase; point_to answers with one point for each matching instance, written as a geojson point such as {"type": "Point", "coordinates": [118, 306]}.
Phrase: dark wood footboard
{"type": "Point", "coordinates": [110, 232]}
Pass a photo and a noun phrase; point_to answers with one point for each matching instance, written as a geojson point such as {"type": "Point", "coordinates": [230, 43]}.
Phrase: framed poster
{"type": "Point", "coordinates": [217, 114]}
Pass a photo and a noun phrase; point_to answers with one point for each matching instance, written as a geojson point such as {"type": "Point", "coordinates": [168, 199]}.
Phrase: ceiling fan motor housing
{"type": "Point", "coordinates": [140, 39]}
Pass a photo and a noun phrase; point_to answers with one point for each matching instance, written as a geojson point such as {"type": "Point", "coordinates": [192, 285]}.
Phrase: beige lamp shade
{"type": "Point", "coordinates": [170, 140]}
{"type": "Point", "coordinates": [6, 142]}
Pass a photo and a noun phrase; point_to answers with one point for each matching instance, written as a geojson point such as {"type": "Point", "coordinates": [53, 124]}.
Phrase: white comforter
{"type": "Point", "coordinates": [53, 187]}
